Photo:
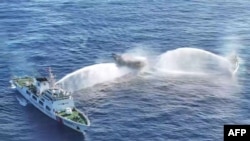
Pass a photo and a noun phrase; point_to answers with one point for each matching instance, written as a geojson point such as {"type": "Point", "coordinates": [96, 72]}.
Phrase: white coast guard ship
{"type": "Point", "coordinates": [53, 101]}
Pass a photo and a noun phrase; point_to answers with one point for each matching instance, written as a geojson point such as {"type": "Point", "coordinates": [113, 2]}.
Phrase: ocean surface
{"type": "Point", "coordinates": [187, 91]}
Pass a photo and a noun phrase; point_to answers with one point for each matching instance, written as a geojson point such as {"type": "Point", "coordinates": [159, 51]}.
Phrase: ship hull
{"type": "Point", "coordinates": [23, 92]}
{"type": "Point", "coordinates": [70, 124]}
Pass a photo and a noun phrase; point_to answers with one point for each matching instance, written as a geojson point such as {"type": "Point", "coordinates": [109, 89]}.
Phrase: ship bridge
{"type": "Point", "coordinates": [41, 84]}
{"type": "Point", "coordinates": [56, 94]}
{"type": "Point", "coordinates": [61, 99]}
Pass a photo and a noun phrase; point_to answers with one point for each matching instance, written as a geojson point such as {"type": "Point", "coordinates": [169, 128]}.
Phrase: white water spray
{"type": "Point", "coordinates": [192, 60]}
{"type": "Point", "coordinates": [91, 75]}
{"type": "Point", "coordinates": [182, 60]}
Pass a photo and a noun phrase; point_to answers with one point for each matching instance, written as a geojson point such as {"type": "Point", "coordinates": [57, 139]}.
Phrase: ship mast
{"type": "Point", "coordinates": [52, 80]}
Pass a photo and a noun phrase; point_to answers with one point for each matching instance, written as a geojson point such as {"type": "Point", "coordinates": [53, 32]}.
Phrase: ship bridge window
{"type": "Point", "coordinates": [40, 102]}
{"type": "Point", "coordinates": [34, 97]}
{"type": "Point", "coordinates": [27, 92]}
{"type": "Point", "coordinates": [48, 108]}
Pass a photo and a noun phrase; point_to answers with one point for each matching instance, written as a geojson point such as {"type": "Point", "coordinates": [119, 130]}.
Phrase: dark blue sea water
{"type": "Point", "coordinates": [69, 35]}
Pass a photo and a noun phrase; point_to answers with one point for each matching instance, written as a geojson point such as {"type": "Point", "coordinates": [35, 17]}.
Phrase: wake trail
{"type": "Point", "coordinates": [22, 101]}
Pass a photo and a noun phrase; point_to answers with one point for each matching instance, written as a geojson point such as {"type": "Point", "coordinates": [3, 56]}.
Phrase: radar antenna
{"type": "Point", "coordinates": [52, 80]}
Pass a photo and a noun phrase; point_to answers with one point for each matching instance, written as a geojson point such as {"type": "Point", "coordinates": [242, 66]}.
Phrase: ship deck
{"type": "Point", "coordinates": [25, 81]}
{"type": "Point", "coordinates": [75, 116]}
